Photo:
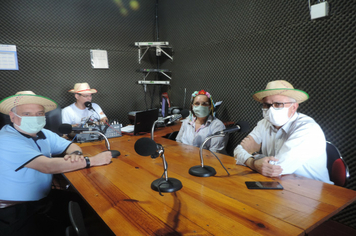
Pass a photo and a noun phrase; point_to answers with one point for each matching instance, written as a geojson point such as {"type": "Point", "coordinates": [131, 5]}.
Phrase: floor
{"type": "Point", "coordinates": [333, 228]}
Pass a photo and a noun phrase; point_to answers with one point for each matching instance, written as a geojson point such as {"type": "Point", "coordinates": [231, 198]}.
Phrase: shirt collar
{"type": "Point", "coordinates": [40, 135]}
{"type": "Point", "coordinates": [286, 126]}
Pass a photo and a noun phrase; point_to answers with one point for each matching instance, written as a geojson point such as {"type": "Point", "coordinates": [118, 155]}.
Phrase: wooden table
{"type": "Point", "coordinates": [221, 205]}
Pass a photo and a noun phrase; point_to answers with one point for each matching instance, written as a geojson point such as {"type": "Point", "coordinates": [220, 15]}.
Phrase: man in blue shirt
{"type": "Point", "coordinates": [26, 166]}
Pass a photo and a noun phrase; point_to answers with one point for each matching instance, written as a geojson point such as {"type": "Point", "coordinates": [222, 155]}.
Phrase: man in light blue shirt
{"type": "Point", "coordinates": [290, 142]}
{"type": "Point", "coordinates": [26, 163]}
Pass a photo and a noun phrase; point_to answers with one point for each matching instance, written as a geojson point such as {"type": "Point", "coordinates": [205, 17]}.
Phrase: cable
{"type": "Point", "coordinates": [220, 162]}
{"type": "Point", "coordinates": [161, 181]}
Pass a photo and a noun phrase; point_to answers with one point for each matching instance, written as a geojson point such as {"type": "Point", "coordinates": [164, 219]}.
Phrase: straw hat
{"type": "Point", "coordinates": [82, 88]}
{"type": "Point", "coordinates": [26, 97]}
{"type": "Point", "coordinates": [281, 87]}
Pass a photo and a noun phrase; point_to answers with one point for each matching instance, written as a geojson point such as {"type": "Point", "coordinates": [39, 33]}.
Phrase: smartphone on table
{"type": "Point", "coordinates": [263, 185]}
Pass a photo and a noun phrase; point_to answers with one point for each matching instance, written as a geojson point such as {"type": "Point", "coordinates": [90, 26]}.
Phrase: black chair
{"type": "Point", "coordinates": [4, 120]}
{"type": "Point", "coordinates": [54, 120]}
{"type": "Point", "coordinates": [172, 136]}
{"type": "Point", "coordinates": [337, 167]}
{"type": "Point", "coordinates": [76, 217]}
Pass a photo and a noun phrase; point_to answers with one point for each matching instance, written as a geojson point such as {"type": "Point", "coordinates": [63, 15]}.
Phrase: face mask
{"type": "Point", "coordinates": [201, 111]}
{"type": "Point", "coordinates": [276, 117]}
{"type": "Point", "coordinates": [31, 124]}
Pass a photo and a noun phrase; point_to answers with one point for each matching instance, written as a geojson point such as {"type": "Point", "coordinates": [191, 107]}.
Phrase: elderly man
{"type": "Point", "coordinates": [83, 111]}
{"type": "Point", "coordinates": [26, 166]}
{"type": "Point", "coordinates": [290, 142]}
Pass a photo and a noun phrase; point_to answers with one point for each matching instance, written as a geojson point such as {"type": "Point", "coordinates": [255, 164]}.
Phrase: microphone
{"type": "Point", "coordinates": [206, 171]}
{"type": "Point", "coordinates": [67, 128]}
{"type": "Point", "coordinates": [147, 147]}
{"type": "Point", "coordinates": [183, 114]}
{"type": "Point", "coordinates": [242, 126]}
{"type": "Point", "coordinates": [89, 105]}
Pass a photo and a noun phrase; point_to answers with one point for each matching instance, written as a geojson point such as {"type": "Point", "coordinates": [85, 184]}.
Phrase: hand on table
{"type": "Point", "coordinates": [265, 168]}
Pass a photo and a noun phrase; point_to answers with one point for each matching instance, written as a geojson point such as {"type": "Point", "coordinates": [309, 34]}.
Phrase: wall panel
{"type": "Point", "coordinates": [233, 48]}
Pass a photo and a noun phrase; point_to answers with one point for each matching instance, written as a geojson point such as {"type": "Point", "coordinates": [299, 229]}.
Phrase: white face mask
{"type": "Point", "coordinates": [201, 111]}
{"type": "Point", "coordinates": [276, 117]}
{"type": "Point", "coordinates": [31, 124]}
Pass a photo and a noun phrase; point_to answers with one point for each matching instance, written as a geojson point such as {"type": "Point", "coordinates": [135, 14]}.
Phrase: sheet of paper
{"type": "Point", "coordinates": [99, 59]}
{"type": "Point", "coordinates": [8, 57]}
{"type": "Point", "coordinates": [128, 128]}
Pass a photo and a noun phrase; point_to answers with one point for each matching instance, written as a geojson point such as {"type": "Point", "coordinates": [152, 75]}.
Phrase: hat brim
{"type": "Point", "coordinates": [299, 95]}
{"type": "Point", "coordinates": [16, 100]}
{"type": "Point", "coordinates": [87, 91]}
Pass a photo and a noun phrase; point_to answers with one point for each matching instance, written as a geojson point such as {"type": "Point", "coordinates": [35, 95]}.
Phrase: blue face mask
{"type": "Point", "coordinates": [201, 111]}
{"type": "Point", "coordinates": [31, 124]}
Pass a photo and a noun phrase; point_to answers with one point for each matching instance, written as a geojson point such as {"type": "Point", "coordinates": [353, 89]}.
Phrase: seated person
{"type": "Point", "coordinates": [26, 163]}
{"type": "Point", "coordinates": [78, 114]}
{"type": "Point", "coordinates": [290, 142]}
{"type": "Point", "coordinates": [201, 123]}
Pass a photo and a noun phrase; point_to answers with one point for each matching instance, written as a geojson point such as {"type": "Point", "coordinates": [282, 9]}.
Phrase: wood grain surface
{"type": "Point", "coordinates": [220, 205]}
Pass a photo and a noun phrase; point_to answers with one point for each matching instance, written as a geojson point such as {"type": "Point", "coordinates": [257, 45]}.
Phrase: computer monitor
{"type": "Point", "coordinates": [144, 120]}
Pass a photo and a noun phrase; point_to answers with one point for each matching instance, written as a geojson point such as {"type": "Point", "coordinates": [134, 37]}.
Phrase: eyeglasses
{"type": "Point", "coordinates": [204, 104]}
{"type": "Point", "coordinates": [86, 96]}
{"type": "Point", "coordinates": [275, 105]}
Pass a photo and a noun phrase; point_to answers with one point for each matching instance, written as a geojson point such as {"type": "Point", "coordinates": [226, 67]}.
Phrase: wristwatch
{"type": "Point", "coordinates": [88, 162]}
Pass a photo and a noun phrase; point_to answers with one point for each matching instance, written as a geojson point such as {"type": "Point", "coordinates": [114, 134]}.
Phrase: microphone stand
{"type": "Point", "coordinates": [101, 134]}
{"type": "Point", "coordinates": [153, 129]}
{"type": "Point", "coordinates": [201, 170]}
{"type": "Point", "coordinates": [167, 184]}
{"type": "Point", "coordinates": [114, 153]}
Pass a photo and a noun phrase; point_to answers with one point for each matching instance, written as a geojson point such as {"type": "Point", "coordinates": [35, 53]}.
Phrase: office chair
{"type": "Point", "coordinates": [172, 136]}
{"type": "Point", "coordinates": [75, 215]}
{"type": "Point", "coordinates": [54, 120]}
{"type": "Point", "coordinates": [337, 167]}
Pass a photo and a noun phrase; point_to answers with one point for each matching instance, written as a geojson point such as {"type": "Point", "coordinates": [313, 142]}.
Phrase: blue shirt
{"type": "Point", "coordinates": [19, 183]}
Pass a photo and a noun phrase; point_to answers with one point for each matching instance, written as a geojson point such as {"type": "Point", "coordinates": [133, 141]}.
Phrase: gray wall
{"type": "Point", "coordinates": [233, 48]}
{"type": "Point", "coordinates": [54, 39]}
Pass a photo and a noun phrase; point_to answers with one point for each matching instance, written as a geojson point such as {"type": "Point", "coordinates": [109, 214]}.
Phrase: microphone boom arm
{"type": "Point", "coordinates": [153, 129]}
{"type": "Point", "coordinates": [165, 166]}
{"type": "Point", "coordinates": [165, 118]}
{"type": "Point", "coordinates": [97, 132]}
{"type": "Point", "coordinates": [201, 147]}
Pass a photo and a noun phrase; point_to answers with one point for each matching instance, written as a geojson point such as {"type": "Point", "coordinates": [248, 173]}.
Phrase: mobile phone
{"type": "Point", "coordinates": [263, 185]}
